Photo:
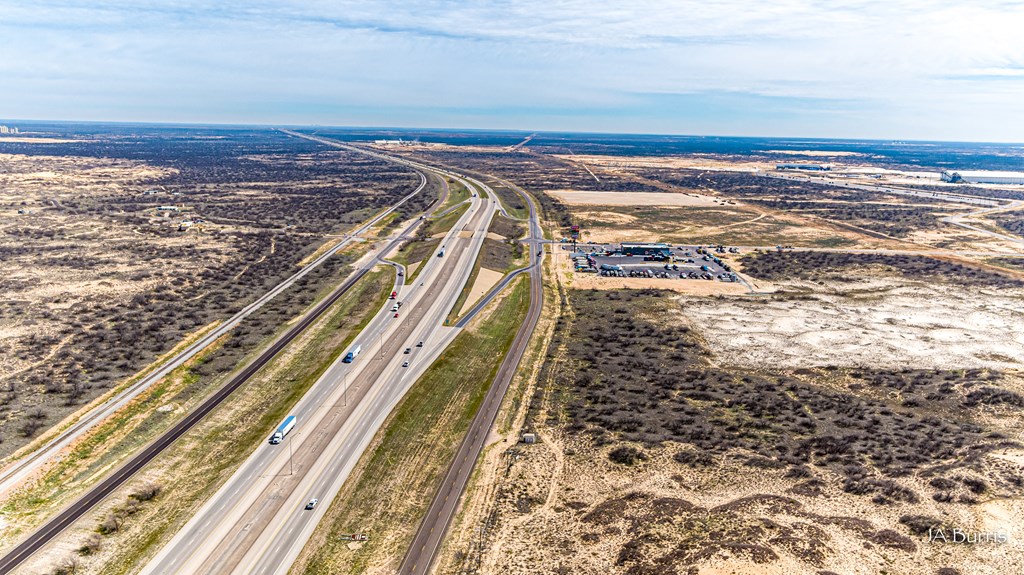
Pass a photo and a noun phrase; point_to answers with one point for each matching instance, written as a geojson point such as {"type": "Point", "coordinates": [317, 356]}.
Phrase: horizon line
{"type": "Point", "coordinates": [526, 131]}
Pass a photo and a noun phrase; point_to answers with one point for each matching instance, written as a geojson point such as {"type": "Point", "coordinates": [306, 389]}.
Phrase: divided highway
{"type": "Point", "coordinates": [257, 522]}
{"type": "Point", "coordinates": [427, 541]}
{"type": "Point", "coordinates": [13, 474]}
{"type": "Point", "coordinates": [66, 517]}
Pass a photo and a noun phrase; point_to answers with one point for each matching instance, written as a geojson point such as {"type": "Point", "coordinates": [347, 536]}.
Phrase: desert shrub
{"type": "Point", "coordinates": [627, 378]}
{"type": "Point", "coordinates": [993, 396]}
{"type": "Point", "coordinates": [626, 455]}
{"type": "Point", "coordinates": [146, 492]}
{"type": "Point", "coordinates": [694, 458]}
{"type": "Point", "coordinates": [921, 524]}
{"type": "Point", "coordinates": [776, 265]}
{"type": "Point", "coordinates": [893, 540]}
{"type": "Point", "coordinates": [91, 544]}
{"type": "Point", "coordinates": [66, 566]}
{"type": "Point", "coordinates": [111, 523]}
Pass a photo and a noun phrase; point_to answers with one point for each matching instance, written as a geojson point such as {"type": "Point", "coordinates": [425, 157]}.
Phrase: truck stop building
{"type": "Point", "coordinates": [637, 249]}
{"type": "Point", "coordinates": [982, 177]}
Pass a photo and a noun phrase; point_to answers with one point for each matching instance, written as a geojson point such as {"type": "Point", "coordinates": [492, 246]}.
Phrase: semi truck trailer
{"type": "Point", "coordinates": [282, 430]}
{"type": "Point", "coordinates": [351, 355]}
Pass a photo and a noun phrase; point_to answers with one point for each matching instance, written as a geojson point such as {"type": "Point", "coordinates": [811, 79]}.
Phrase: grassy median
{"type": "Point", "coordinates": [498, 255]}
{"type": "Point", "coordinates": [391, 487]}
{"type": "Point", "coordinates": [456, 193]}
{"type": "Point", "coordinates": [424, 243]}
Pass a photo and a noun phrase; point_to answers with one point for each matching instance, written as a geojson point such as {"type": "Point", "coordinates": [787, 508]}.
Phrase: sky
{"type": "Point", "coordinates": [912, 69]}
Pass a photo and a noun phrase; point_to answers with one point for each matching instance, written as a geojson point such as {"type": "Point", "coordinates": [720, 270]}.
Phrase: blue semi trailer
{"type": "Point", "coordinates": [282, 430]}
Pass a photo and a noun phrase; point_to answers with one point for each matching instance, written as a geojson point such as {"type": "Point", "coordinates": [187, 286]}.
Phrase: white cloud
{"type": "Point", "coordinates": [938, 58]}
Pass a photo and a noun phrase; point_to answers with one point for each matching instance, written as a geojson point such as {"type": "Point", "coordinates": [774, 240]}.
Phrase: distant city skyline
{"type": "Point", "coordinates": [920, 70]}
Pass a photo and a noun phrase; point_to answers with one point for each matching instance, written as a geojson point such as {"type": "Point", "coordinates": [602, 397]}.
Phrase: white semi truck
{"type": "Point", "coordinates": [282, 430]}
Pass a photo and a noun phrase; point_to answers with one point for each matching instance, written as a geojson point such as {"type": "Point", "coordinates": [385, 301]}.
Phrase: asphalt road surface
{"type": "Point", "coordinates": [14, 473]}
{"type": "Point", "coordinates": [423, 550]}
{"type": "Point", "coordinates": [94, 496]}
{"type": "Point", "coordinates": [69, 515]}
{"type": "Point", "coordinates": [256, 523]}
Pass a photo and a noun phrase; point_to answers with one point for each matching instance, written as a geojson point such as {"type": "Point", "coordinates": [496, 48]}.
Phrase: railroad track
{"type": "Point", "coordinates": [76, 510]}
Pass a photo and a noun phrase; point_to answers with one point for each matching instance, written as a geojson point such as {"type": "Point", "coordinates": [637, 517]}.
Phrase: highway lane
{"type": "Point", "coordinates": [70, 514]}
{"type": "Point", "coordinates": [13, 474]}
{"type": "Point", "coordinates": [958, 220]}
{"type": "Point", "coordinates": [231, 528]}
{"type": "Point", "coordinates": [280, 546]}
{"type": "Point", "coordinates": [427, 540]}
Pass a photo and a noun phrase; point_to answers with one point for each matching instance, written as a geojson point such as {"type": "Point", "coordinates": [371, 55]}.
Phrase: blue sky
{"type": "Point", "coordinates": [914, 69]}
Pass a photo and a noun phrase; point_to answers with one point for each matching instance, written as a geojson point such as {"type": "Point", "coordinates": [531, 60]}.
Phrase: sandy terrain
{"type": "Point", "coordinates": [588, 198]}
{"type": "Point", "coordinates": [659, 515]}
{"type": "Point", "coordinates": [61, 263]}
{"type": "Point", "coordinates": [692, 287]}
{"type": "Point", "coordinates": [695, 162]}
{"type": "Point", "coordinates": [485, 280]}
{"type": "Point", "coordinates": [98, 281]}
{"type": "Point", "coordinates": [29, 140]}
{"type": "Point", "coordinates": [815, 153]}
{"type": "Point", "coordinates": [558, 497]}
{"type": "Point", "coordinates": [880, 324]}
{"type": "Point", "coordinates": [538, 508]}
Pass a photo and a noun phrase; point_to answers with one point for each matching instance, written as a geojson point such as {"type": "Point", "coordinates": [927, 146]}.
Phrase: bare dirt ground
{"type": "Point", "coordinates": [696, 162]}
{"type": "Point", "coordinates": [879, 323]}
{"type": "Point", "coordinates": [729, 225]}
{"type": "Point", "coordinates": [693, 287]}
{"type": "Point", "coordinates": [585, 198]}
{"type": "Point", "coordinates": [485, 280]}
{"type": "Point", "coordinates": [627, 478]}
{"type": "Point", "coordinates": [676, 508]}
{"type": "Point", "coordinates": [107, 262]}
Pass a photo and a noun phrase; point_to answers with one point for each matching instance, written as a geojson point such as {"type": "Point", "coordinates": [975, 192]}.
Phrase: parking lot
{"type": "Point", "coordinates": [684, 262]}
